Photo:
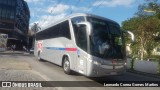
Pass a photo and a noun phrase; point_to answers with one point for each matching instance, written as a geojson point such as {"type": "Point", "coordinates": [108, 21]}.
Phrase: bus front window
{"type": "Point", "coordinates": [106, 40]}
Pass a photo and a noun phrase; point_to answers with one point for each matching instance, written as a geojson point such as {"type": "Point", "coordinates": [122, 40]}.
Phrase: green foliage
{"type": "Point", "coordinates": [152, 28]}
{"type": "Point", "coordinates": [35, 28]}
{"type": "Point", "coordinates": [146, 27]}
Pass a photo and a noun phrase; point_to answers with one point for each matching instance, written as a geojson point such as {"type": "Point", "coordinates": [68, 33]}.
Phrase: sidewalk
{"type": "Point", "coordinates": [12, 69]}
{"type": "Point", "coordinates": [10, 52]}
{"type": "Point", "coordinates": [17, 70]}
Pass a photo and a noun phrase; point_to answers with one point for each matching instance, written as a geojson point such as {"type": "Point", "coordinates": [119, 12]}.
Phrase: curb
{"type": "Point", "coordinates": [144, 73]}
{"type": "Point", "coordinates": [11, 52]}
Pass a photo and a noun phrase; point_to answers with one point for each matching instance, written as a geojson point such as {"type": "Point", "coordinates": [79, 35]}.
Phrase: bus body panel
{"type": "Point", "coordinates": [82, 61]}
{"type": "Point", "coordinates": [55, 48]}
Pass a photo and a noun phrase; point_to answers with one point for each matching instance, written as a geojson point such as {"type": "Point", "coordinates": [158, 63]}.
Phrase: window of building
{"type": "Point", "coordinates": [0, 12]}
{"type": "Point", "coordinates": [5, 2]}
{"type": "Point", "coordinates": [10, 2]}
{"type": "Point", "coordinates": [1, 1]}
{"type": "Point", "coordinates": [12, 14]}
{"type": "Point", "coordinates": [3, 12]}
{"type": "Point", "coordinates": [7, 13]}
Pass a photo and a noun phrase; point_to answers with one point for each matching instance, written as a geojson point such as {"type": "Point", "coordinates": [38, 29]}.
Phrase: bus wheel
{"type": "Point", "coordinates": [66, 66]}
{"type": "Point", "coordinates": [39, 57]}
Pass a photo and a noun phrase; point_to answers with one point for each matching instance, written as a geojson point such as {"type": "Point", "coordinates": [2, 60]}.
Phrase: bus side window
{"type": "Point", "coordinates": [81, 37]}
{"type": "Point", "coordinates": [64, 30]}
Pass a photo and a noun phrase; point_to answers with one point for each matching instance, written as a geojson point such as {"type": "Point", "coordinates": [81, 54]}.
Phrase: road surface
{"type": "Point", "coordinates": [26, 63]}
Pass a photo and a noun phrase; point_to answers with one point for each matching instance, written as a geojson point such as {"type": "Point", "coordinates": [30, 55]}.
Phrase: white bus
{"type": "Point", "coordinates": [88, 44]}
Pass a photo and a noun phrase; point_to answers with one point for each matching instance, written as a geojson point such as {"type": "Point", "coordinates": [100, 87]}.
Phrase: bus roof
{"type": "Point", "coordinates": [75, 15]}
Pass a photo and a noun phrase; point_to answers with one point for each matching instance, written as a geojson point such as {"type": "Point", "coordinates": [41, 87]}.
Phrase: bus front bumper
{"type": "Point", "coordinates": [105, 70]}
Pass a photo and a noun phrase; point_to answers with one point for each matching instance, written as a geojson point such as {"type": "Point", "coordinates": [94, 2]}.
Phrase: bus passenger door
{"type": "Point", "coordinates": [81, 41]}
{"type": "Point", "coordinates": [81, 61]}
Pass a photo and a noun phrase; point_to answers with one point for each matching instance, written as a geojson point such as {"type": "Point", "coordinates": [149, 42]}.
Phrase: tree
{"type": "Point", "coordinates": [150, 28]}
{"type": "Point", "coordinates": [146, 28]}
{"type": "Point", "coordinates": [35, 28]}
{"type": "Point", "coordinates": [134, 24]}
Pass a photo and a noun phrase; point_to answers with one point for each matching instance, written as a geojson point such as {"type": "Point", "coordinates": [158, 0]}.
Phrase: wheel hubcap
{"type": "Point", "coordinates": [66, 65]}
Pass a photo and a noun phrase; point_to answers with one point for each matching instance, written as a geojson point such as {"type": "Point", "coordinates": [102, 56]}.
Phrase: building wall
{"type": "Point", "coordinates": [7, 15]}
{"type": "Point", "coordinates": [14, 20]}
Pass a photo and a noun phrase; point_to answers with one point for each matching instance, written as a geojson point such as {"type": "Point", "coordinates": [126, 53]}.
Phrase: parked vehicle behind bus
{"type": "Point", "coordinates": [88, 44]}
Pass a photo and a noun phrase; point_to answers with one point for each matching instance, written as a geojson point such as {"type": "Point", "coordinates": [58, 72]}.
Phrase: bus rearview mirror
{"type": "Point", "coordinates": [131, 34]}
{"type": "Point", "coordinates": [87, 24]}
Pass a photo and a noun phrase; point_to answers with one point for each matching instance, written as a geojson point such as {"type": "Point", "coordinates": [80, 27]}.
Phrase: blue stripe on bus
{"type": "Point", "coordinates": [55, 48]}
{"type": "Point", "coordinates": [63, 49]}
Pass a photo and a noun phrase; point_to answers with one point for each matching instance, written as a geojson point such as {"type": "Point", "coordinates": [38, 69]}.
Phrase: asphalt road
{"type": "Point", "coordinates": [52, 72]}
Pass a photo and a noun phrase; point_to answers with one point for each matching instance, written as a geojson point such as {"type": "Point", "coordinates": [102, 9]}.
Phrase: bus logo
{"type": "Point", "coordinates": [6, 84]}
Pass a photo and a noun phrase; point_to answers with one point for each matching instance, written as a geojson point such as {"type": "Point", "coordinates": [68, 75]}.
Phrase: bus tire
{"type": "Point", "coordinates": [39, 57]}
{"type": "Point", "coordinates": [66, 65]}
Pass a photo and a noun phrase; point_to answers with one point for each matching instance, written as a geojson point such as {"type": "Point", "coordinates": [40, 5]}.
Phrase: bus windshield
{"type": "Point", "coordinates": [106, 39]}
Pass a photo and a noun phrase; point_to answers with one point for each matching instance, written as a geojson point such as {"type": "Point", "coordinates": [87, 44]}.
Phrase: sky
{"type": "Point", "coordinates": [45, 12]}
